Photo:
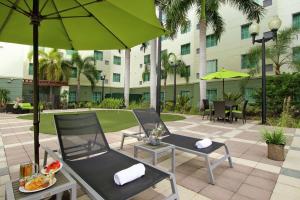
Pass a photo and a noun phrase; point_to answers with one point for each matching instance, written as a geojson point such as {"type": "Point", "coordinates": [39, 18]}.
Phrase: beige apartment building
{"type": "Point", "coordinates": [229, 52]}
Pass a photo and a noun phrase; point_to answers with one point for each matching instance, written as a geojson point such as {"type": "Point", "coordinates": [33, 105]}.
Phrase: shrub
{"type": "Point", "coordinates": [168, 106]}
{"type": "Point", "coordinates": [112, 103]}
{"type": "Point", "coordinates": [274, 137]}
{"type": "Point", "coordinates": [194, 110]}
{"type": "Point", "coordinates": [3, 97]}
{"type": "Point", "coordinates": [278, 88]}
{"type": "Point", "coordinates": [236, 97]}
{"type": "Point", "coordinates": [138, 105]}
{"type": "Point", "coordinates": [89, 105]}
{"type": "Point", "coordinates": [183, 104]}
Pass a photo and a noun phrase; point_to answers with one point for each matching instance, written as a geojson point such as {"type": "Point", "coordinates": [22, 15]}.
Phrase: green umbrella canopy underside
{"type": "Point", "coordinates": [90, 24]}
{"type": "Point", "coordinates": [224, 74]}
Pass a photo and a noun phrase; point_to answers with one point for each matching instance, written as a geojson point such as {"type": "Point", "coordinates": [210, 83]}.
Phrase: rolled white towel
{"type": "Point", "coordinates": [130, 174]}
{"type": "Point", "coordinates": [203, 143]}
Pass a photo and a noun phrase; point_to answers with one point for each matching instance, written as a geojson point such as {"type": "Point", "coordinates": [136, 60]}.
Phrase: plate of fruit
{"type": "Point", "coordinates": [37, 183]}
{"type": "Point", "coordinates": [54, 167]}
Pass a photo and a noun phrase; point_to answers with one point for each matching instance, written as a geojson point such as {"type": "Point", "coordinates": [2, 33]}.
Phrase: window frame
{"type": "Point", "coordinates": [114, 77]}
{"type": "Point", "coordinates": [100, 55]}
{"type": "Point", "coordinates": [117, 60]}
{"type": "Point", "coordinates": [212, 60]}
{"type": "Point", "coordinates": [243, 37]}
{"type": "Point", "coordinates": [185, 49]}
{"type": "Point", "coordinates": [211, 40]}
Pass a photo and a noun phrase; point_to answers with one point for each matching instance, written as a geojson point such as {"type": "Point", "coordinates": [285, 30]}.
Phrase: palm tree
{"type": "Point", "coordinates": [52, 67]}
{"type": "Point", "coordinates": [167, 68]}
{"type": "Point", "coordinates": [127, 78]}
{"type": "Point", "coordinates": [176, 16]}
{"type": "Point", "coordinates": [85, 66]}
{"type": "Point", "coordinates": [279, 52]}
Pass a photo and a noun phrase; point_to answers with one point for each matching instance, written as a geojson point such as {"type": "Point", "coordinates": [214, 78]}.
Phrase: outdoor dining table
{"type": "Point", "coordinates": [229, 105]}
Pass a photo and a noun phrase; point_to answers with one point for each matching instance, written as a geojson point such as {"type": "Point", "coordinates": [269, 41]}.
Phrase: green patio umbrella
{"type": "Point", "coordinates": [76, 24]}
{"type": "Point", "coordinates": [225, 74]}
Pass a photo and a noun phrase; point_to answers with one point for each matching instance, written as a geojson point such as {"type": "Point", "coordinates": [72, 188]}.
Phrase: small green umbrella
{"type": "Point", "coordinates": [75, 24]}
{"type": "Point", "coordinates": [225, 74]}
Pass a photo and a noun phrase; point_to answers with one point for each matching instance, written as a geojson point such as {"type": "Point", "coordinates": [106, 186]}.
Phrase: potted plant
{"type": "Point", "coordinates": [155, 135]}
{"type": "Point", "coordinates": [276, 141]}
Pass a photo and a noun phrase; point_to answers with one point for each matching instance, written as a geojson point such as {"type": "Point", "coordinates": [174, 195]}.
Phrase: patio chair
{"type": "Point", "coordinates": [91, 161]}
{"type": "Point", "coordinates": [220, 110]}
{"type": "Point", "coordinates": [148, 119]}
{"type": "Point", "coordinates": [240, 114]}
{"type": "Point", "coordinates": [207, 111]}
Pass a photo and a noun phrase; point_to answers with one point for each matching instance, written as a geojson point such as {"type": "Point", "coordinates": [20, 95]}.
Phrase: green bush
{"type": "Point", "coordinates": [274, 137]}
{"type": "Point", "coordinates": [168, 106]}
{"type": "Point", "coordinates": [194, 111]}
{"type": "Point", "coordinates": [112, 103]}
{"type": "Point", "coordinates": [183, 104]}
{"type": "Point", "coordinates": [4, 97]}
{"type": "Point", "coordinates": [138, 105]}
{"type": "Point", "coordinates": [236, 97]}
{"type": "Point", "coordinates": [278, 88]}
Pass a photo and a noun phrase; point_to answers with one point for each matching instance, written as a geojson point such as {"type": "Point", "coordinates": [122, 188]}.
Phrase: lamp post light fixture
{"type": "Point", "coordinates": [173, 62]}
{"type": "Point", "coordinates": [274, 25]}
{"type": "Point", "coordinates": [102, 78]}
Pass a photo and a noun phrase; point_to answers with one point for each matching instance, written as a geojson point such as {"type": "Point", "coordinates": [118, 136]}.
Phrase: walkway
{"type": "Point", "coordinates": [253, 176]}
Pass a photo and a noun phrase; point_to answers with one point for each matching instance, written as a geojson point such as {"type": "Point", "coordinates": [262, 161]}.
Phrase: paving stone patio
{"type": "Point", "coordinates": [253, 176]}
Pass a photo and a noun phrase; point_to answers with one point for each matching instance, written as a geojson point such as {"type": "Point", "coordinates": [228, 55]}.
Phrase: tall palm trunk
{"type": "Point", "coordinates": [202, 36]}
{"type": "Point", "coordinates": [127, 77]}
{"type": "Point", "coordinates": [165, 90]}
{"type": "Point", "coordinates": [51, 97]}
{"type": "Point", "coordinates": [78, 88]}
{"type": "Point", "coordinates": [153, 74]}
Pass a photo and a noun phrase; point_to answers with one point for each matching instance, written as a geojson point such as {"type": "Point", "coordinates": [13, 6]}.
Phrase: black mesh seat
{"type": "Point", "coordinates": [85, 150]}
{"type": "Point", "coordinates": [98, 172]}
{"type": "Point", "coordinates": [189, 143]}
{"type": "Point", "coordinates": [149, 119]}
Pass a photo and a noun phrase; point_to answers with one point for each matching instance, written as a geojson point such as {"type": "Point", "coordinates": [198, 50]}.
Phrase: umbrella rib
{"type": "Point", "coordinates": [67, 9]}
{"type": "Point", "coordinates": [102, 25]}
{"type": "Point", "coordinates": [49, 18]}
{"type": "Point", "coordinates": [27, 6]}
{"type": "Point", "coordinates": [44, 5]}
{"type": "Point", "coordinates": [14, 8]}
{"type": "Point", "coordinates": [62, 23]}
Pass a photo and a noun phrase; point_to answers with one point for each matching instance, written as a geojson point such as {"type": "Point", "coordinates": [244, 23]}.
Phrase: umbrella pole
{"type": "Point", "coordinates": [35, 23]}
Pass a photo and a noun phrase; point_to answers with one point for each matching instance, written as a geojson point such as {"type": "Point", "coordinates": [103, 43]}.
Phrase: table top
{"type": "Point", "coordinates": [61, 180]}
{"type": "Point", "coordinates": [161, 147]}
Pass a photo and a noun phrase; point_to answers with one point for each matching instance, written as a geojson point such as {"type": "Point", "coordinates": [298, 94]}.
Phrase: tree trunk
{"type": "Point", "coordinates": [153, 74]}
{"type": "Point", "coordinates": [51, 97]}
{"type": "Point", "coordinates": [78, 88]}
{"type": "Point", "coordinates": [202, 40]}
{"type": "Point", "coordinates": [127, 78]}
{"type": "Point", "coordinates": [165, 91]}
{"type": "Point", "coordinates": [277, 69]}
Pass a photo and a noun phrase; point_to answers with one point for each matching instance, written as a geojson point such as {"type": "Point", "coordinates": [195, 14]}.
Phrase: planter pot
{"type": "Point", "coordinates": [276, 152]}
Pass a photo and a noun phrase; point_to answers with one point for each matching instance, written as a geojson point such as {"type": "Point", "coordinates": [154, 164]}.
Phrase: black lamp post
{"type": "Point", "coordinates": [102, 78]}
{"type": "Point", "coordinates": [274, 25]}
{"type": "Point", "coordinates": [172, 61]}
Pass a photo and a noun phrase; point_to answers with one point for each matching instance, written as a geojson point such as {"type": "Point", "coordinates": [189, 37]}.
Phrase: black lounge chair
{"type": "Point", "coordinates": [148, 119]}
{"type": "Point", "coordinates": [89, 159]}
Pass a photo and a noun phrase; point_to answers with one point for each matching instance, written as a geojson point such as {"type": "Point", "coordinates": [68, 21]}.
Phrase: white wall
{"type": "Point", "coordinates": [12, 58]}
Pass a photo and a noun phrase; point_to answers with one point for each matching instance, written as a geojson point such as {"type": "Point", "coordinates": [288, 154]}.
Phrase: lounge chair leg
{"type": "Point", "coordinates": [122, 143]}
{"type": "Point", "coordinates": [174, 195]}
{"type": "Point", "coordinates": [210, 173]}
{"type": "Point", "coordinates": [45, 158]}
{"type": "Point", "coordinates": [228, 156]}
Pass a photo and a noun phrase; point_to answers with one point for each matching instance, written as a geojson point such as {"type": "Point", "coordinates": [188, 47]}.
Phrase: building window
{"type": "Point", "coordinates": [296, 20]}
{"type": "Point", "coordinates": [187, 28]}
{"type": "Point", "coordinates": [211, 40]}
{"type": "Point", "coordinates": [107, 62]}
{"type": "Point", "coordinates": [71, 52]}
{"type": "Point", "coordinates": [146, 96]}
{"type": "Point", "coordinates": [30, 69]}
{"type": "Point", "coordinates": [98, 55]}
{"type": "Point", "coordinates": [72, 96]}
{"type": "Point", "coordinates": [197, 50]}
{"type": "Point", "coordinates": [186, 72]}
{"type": "Point", "coordinates": [186, 93]}
{"type": "Point", "coordinates": [211, 66]}
{"type": "Point", "coordinates": [296, 54]}
{"type": "Point", "coordinates": [185, 49]}
{"type": "Point", "coordinates": [267, 3]}
{"type": "Point", "coordinates": [249, 92]}
{"type": "Point", "coordinates": [245, 31]}
{"type": "Point", "coordinates": [245, 62]}
{"type": "Point", "coordinates": [96, 97]}
{"type": "Point", "coordinates": [117, 60]}
{"type": "Point", "coordinates": [147, 59]}
{"type": "Point", "coordinates": [141, 82]}
{"type": "Point", "coordinates": [116, 77]}
{"type": "Point", "coordinates": [98, 76]}
{"type": "Point", "coordinates": [74, 72]}
{"type": "Point", "coordinates": [211, 94]}
{"type": "Point", "coordinates": [269, 67]}
{"type": "Point", "coordinates": [146, 76]}
{"type": "Point", "coordinates": [198, 26]}
{"type": "Point", "coordinates": [165, 51]}
{"type": "Point", "coordinates": [197, 75]}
